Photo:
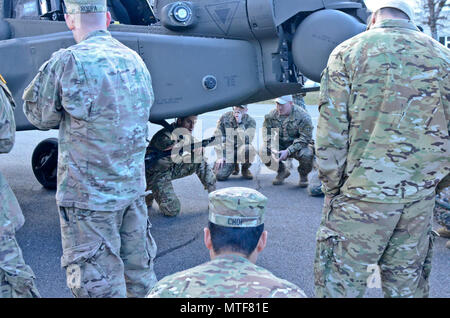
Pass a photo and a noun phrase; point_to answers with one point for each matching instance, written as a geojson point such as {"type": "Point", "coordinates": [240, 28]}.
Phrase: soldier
{"type": "Point", "coordinates": [235, 124]}
{"type": "Point", "coordinates": [235, 237]}
{"type": "Point", "coordinates": [442, 209]}
{"type": "Point", "coordinates": [298, 100]}
{"type": "Point", "coordinates": [99, 92]}
{"type": "Point", "coordinates": [293, 127]}
{"type": "Point", "coordinates": [160, 175]}
{"type": "Point", "coordinates": [16, 278]}
{"type": "Point", "coordinates": [382, 147]}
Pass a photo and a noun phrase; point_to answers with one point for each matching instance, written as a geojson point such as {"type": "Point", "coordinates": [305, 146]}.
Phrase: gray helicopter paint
{"type": "Point", "coordinates": [315, 44]}
{"type": "Point", "coordinates": [239, 43]}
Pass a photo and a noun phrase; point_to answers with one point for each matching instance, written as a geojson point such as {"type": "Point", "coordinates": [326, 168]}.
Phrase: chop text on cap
{"type": "Point", "coordinates": [237, 207]}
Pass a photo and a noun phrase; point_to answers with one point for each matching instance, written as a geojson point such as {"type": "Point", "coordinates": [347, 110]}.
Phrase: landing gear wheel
{"type": "Point", "coordinates": [45, 162]}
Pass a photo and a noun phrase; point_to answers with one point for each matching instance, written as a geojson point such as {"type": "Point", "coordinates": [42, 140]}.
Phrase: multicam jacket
{"type": "Point", "coordinates": [245, 132]}
{"type": "Point", "coordinates": [99, 92]}
{"type": "Point", "coordinates": [11, 217]}
{"type": "Point", "coordinates": [383, 131]}
{"type": "Point", "coordinates": [223, 277]}
{"type": "Point", "coordinates": [294, 131]}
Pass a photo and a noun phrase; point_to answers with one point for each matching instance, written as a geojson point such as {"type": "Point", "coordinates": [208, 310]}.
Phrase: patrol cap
{"type": "Point", "coordinates": [243, 106]}
{"type": "Point", "coordinates": [401, 5]}
{"type": "Point", "coordinates": [237, 207]}
{"type": "Point", "coordinates": [85, 6]}
{"type": "Point", "coordinates": [284, 99]}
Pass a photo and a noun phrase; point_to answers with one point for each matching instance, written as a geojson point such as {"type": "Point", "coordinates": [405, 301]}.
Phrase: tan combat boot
{"type": "Point", "coordinates": [246, 172]}
{"type": "Point", "coordinates": [283, 173]}
{"type": "Point", "coordinates": [236, 169]}
{"type": "Point", "coordinates": [303, 183]}
{"type": "Point", "coordinates": [149, 200]}
{"type": "Point", "coordinates": [211, 188]}
{"type": "Point", "coordinates": [443, 232]}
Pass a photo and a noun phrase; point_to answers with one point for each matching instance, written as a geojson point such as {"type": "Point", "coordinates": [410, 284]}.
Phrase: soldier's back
{"type": "Point", "coordinates": [226, 276]}
{"type": "Point", "coordinates": [106, 92]}
{"type": "Point", "coordinates": [399, 110]}
{"type": "Point", "coordinates": [11, 217]}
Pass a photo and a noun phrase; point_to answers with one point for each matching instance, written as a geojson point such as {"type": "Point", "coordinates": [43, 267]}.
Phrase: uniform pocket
{"type": "Point", "coordinates": [85, 276]}
{"type": "Point", "coordinates": [426, 271]}
{"type": "Point", "coordinates": [326, 261]}
{"type": "Point", "coordinates": [150, 244]}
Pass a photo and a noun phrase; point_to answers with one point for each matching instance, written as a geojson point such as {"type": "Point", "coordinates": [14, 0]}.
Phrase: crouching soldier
{"type": "Point", "coordinates": [237, 130]}
{"type": "Point", "coordinates": [160, 174]}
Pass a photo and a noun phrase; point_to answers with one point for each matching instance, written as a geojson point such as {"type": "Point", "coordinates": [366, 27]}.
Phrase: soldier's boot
{"type": "Point", "coordinates": [303, 183]}
{"type": "Point", "coordinates": [149, 200]}
{"type": "Point", "coordinates": [236, 169]}
{"type": "Point", "coordinates": [246, 171]}
{"type": "Point", "coordinates": [443, 232]}
{"type": "Point", "coordinates": [211, 187]}
{"type": "Point", "coordinates": [283, 173]}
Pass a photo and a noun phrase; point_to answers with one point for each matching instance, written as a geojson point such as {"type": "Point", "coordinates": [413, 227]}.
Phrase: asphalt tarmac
{"type": "Point", "coordinates": [292, 219]}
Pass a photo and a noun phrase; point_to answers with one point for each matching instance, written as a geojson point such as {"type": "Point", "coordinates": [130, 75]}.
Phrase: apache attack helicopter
{"type": "Point", "coordinates": [203, 55]}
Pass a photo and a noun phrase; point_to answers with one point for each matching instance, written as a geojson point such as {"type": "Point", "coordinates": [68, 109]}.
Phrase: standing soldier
{"type": "Point", "coordinates": [235, 237]}
{"type": "Point", "coordinates": [382, 148]}
{"type": "Point", "coordinates": [160, 174]}
{"type": "Point", "coordinates": [99, 92]}
{"type": "Point", "coordinates": [236, 124]}
{"type": "Point", "coordinates": [16, 278]}
{"type": "Point", "coordinates": [293, 128]}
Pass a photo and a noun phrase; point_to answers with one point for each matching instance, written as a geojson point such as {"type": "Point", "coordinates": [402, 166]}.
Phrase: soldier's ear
{"type": "Point", "coordinates": [373, 18]}
{"type": "Point", "coordinates": [207, 238]}
{"type": "Point", "coordinates": [108, 18]}
{"type": "Point", "coordinates": [70, 22]}
{"type": "Point", "coordinates": [262, 242]}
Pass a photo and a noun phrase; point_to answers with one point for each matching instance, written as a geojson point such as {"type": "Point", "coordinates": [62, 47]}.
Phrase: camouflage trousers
{"type": "Point", "coordinates": [304, 156]}
{"type": "Point", "coordinates": [108, 254]}
{"type": "Point", "coordinates": [160, 182]}
{"type": "Point", "coordinates": [17, 280]}
{"type": "Point", "coordinates": [360, 242]}
{"type": "Point", "coordinates": [243, 155]}
{"type": "Point", "coordinates": [442, 216]}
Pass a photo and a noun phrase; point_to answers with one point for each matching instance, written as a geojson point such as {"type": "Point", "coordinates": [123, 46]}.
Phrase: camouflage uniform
{"type": "Point", "coordinates": [229, 275]}
{"type": "Point", "coordinates": [160, 175]}
{"type": "Point", "coordinates": [238, 152]}
{"type": "Point", "coordinates": [294, 133]}
{"type": "Point", "coordinates": [382, 147]}
{"type": "Point", "coordinates": [99, 92]}
{"type": "Point", "coordinates": [16, 278]}
{"type": "Point", "coordinates": [299, 101]}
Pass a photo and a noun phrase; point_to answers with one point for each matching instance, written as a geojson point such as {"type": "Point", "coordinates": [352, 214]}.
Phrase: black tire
{"type": "Point", "coordinates": [44, 162]}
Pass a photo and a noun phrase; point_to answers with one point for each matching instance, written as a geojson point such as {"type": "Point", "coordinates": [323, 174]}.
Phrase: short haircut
{"type": "Point", "coordinates": [235, 239]}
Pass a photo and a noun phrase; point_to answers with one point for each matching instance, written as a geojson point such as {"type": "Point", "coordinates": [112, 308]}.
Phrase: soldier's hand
{"type": "Point", "coordinates": [283, 155]}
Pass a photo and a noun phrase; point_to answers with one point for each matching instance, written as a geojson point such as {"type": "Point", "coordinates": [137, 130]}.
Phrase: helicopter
{"type": "Point", "coordinates": [203, 55]}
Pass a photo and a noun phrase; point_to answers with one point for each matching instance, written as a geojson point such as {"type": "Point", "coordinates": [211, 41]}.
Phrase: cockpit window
{"type": "Point", "coordinates": [25, 9]}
